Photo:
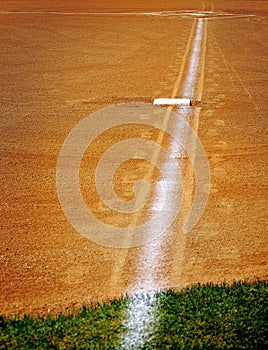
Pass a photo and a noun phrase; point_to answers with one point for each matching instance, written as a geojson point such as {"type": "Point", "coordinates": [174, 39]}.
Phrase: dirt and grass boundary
{"type": "Point", "coordinates": [201, 317]}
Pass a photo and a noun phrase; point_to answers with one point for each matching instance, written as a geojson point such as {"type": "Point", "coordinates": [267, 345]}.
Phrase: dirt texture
{"type": "Point", "coordinates": [55, 69]}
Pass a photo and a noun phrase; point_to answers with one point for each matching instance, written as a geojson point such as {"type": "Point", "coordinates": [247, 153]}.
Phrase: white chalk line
{"type": "Point", "coordinates": [141, 315]}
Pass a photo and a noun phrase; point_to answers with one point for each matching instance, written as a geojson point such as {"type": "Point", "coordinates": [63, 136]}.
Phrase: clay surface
{"type": "Point", "coordinates": [56, 69]}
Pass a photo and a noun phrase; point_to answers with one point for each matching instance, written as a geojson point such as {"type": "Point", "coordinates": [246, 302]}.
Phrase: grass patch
{"type": "Point", "coordinates": [202, 317]}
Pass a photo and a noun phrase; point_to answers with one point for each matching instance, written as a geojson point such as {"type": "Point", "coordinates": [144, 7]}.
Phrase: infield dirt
{"type": "Point", "coordinates": [55, 70]}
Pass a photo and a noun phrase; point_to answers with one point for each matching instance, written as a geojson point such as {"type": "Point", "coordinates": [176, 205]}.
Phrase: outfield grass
{"type": "Point", "coordinates": [202, 317]}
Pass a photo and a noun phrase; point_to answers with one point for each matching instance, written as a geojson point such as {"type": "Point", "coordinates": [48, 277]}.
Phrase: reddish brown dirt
{"type": "Point", "coordinates": [55, 70]}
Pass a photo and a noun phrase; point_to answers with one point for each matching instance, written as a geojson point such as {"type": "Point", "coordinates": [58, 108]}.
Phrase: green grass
{"type": "Point", "coordinates": [203, 317]}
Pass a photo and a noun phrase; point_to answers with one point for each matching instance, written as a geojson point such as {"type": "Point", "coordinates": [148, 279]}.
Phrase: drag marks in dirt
{"type": "Point", "coordinates": [166, 200]}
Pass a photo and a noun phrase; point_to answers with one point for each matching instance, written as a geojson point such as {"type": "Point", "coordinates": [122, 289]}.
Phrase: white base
{"type": "Point", "coordinates": [172, 101]}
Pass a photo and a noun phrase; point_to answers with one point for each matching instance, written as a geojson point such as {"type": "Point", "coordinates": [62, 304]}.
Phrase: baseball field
{"type": "Point", "coordinates": [68, 70]}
